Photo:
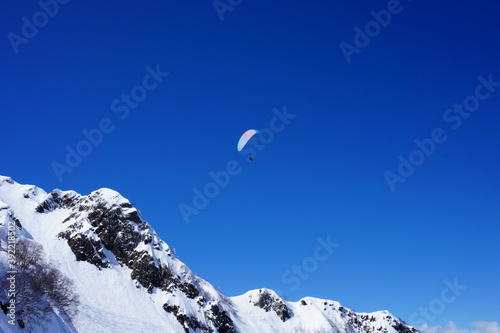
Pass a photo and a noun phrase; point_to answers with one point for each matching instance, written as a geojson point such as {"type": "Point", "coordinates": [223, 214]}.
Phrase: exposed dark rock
{"type": "Point", "coordinates": [267, 303]}
{"type": "Point", "coordinates": [71, 216]}
{"type": "Point", "coordinates": [148, 273]}
{"type": "Point", "coordinates": [86, 249]}
{"type": "Point", "coordinates": [126, 205]}
{"type": "Point", "coordinates": [55, 200]}
{"type": "Point", "coordinates": [189, 290]}
{"type": "Point", "coordinates": [402, 328]}
{"type": "Point", "coordinates": [201, 301]}
{"type": "Point", "coordinates": [221, 320]}
{"type": "Point", "coordinates": [187, 322]}
{"type": "Point", "coordinates": [218, 317]}
{"type": "Point", "coordinates": [282, 310]}
{"type": "Point", "coordinates": [134, 217]}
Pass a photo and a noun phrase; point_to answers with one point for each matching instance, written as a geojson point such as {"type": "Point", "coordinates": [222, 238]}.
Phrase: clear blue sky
{"type": "Point", "coordinates": [323, 175]}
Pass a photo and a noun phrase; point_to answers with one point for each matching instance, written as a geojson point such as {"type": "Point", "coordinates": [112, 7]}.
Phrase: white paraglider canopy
{"type": "Point", "coordinates": [245, 137]}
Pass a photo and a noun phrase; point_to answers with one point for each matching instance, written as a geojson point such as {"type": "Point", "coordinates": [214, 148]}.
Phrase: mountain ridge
{"type": "Point", "coordinates": [125, 273]}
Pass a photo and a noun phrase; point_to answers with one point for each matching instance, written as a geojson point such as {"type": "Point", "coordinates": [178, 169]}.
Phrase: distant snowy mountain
{"type": "Point", "coordinates": [129, 280]}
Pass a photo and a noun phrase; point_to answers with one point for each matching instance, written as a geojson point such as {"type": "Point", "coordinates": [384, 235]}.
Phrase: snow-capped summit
{"type": "Point", "coordinates": [129, 280]}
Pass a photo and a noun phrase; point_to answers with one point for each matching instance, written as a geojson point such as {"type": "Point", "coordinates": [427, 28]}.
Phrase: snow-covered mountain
{"type": "Point", "coordinates": [129, 280]}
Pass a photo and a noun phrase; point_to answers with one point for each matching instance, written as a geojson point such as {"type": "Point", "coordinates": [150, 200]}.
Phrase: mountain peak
{"type": "Point", "coordinates": [111, 196]}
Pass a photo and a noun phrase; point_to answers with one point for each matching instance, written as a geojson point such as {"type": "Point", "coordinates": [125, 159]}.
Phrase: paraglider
{"type": "Point", "coordinates": [245, 138]}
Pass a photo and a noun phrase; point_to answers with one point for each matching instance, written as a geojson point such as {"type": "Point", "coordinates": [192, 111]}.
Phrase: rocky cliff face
{"type": "Point", "coordinates": [126, 273]}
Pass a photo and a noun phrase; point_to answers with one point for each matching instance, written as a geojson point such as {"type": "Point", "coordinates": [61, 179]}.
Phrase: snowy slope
{"type": "Point", "coordinates": [129, 280]}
